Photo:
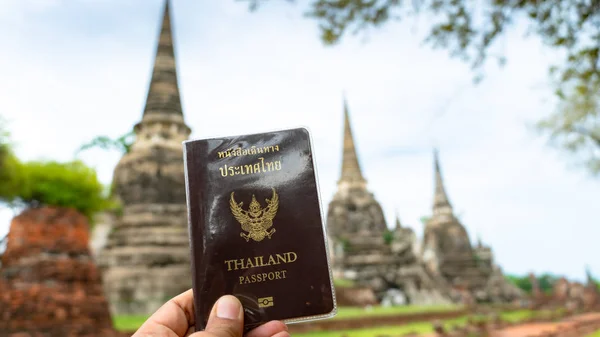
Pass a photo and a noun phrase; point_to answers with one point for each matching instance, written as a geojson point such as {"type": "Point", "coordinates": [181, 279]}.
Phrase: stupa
{"type": "Point", "coordinates": [364, 250]}
{"type": "Point", "coordinates": [146, 259]}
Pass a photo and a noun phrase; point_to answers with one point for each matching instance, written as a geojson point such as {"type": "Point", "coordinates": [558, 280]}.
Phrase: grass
{"type": "Point", "coordinates": [418, 327]}
{"type": "Point", "coordinates": [128, 323]}
{"type": "Point", "coordinates": [595, 334]}
{"type": "Point", "coordinates": [343, 283]}
{"type": "Point", "coordinates": [352, 312]}
{"type": "Point", "coordinates": [132, 323]}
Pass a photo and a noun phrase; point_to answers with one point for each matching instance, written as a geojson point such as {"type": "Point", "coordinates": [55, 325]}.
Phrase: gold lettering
{"type": "Point", "coordinates": [289, 257]}
{"type": "Point", "coordinates": [231, 171]}
{"type": "Point", "coordinates": [253, 150]}
{"type": "Point", "coordinates": [277, 165]}
{"type": "Point", "coordinates": [223, 169]}
{"type": "Point", "coordinates": [239, 264]}
{"type": "Point", "coordinates": [270, 166]}
{"type": "Point", "coordinates": [260, 261]}
{"type": "Point", "coordinates": [249, 169]}
{"type": "Point", "coordinates": [263, 277]}
{"type": "Point", "coordinates": [262, 162]}
{"type": "Point", "coordinates": [281, 258]}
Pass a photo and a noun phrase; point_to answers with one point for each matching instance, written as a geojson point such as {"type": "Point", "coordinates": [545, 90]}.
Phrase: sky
{"type": "Point", "coordinates": [71, 70]}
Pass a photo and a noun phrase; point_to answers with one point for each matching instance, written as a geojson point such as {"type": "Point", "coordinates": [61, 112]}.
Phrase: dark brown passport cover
{"type": "Point", "coordinates": [256, 228]}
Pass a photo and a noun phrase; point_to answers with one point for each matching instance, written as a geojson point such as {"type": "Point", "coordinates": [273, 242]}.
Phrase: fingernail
{"type": "Point", "coordinates": [229, 307]}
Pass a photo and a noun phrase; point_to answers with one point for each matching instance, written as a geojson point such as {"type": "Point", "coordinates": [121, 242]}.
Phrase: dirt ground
{"type": "Point", "coordinates": [580, 325]}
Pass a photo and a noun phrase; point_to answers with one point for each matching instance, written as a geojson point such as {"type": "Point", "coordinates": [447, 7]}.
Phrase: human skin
{"type": "Point", "coordinates": [176, 319]}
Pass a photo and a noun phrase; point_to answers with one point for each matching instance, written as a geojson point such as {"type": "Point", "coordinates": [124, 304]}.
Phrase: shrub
{"type": "Point", "coordinates": [388, 237]}
{"type": "Point", "coordinates": [70, 184]}
{"type": "Point", "coordinates": [51, 183]}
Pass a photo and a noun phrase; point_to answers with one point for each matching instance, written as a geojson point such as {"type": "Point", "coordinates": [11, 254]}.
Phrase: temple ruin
{"type": "Point", "coordinates": [447, 252]}
{"type": "Point", "coordinates": [363, 248]}
{"type": "Point", "coordinates": [145, 260]}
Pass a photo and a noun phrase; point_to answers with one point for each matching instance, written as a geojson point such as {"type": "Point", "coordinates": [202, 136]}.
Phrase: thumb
{"type": "Point", "coordinates": [226, 318]}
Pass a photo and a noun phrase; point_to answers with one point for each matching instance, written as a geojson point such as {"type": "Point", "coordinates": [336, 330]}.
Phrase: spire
{"type": "Point", "coordinates": [398, 224]}
{"type": "Point", "coordinates": [350, 167]}
{"type": "Point", "coordinates": [163, 93]}
{"type": "Point", "coordinates": [440, 199]}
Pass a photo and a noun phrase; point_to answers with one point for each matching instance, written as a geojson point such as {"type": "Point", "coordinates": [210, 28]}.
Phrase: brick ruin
{"type": "Point", "coordinates": [445, 268]}
{"type": "Point", "coordinates": [365, 251]}
{"type": "Point", "coordinates": [49, 283]}
{"type": "Point", "coordinates": [447, 252]}
{"type": "Point", "coordinates": [573, 296]}
{"type": "Point", "coordinates": [145, 260]}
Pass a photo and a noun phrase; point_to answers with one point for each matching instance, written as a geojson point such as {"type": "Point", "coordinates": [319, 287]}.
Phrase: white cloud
{"type": "Point", "coordinates": [242, 73]}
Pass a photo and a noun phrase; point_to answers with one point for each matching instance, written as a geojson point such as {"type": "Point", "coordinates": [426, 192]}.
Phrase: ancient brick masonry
{"type": "Point", "coordinates": [447, 252]}
{"type": "Point", "coordinates": [357, 229]}
{"type": "Point", "coordinates": [49, 284]}
{"type": "Point", "coordinates": [146, 259]}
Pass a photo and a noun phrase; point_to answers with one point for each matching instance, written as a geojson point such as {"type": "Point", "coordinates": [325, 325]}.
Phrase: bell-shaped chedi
{"type": "Point", "coordinates": [146, 257]}
{"type": "Point", "coordinates": [447, 252]}
{"type": "Point", "coordinates": [49, 284]}
{"type": "Point", "coordinates": [446, 246]}
{"type": "Point", "coordinates": [364, 250]}
{"type": "Point", "coordinates": [353, 209]}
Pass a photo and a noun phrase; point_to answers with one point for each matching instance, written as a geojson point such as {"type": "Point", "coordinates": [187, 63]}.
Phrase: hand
{"type": "Point", "coordinates": [176, 319]}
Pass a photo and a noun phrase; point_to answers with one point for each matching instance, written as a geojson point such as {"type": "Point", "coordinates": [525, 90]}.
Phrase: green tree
{"type": "Point", "coordinates": [545, 281]}
{"type": "Point", "coordinates": [468, 29]}
{"type": "Point", "coordinates": [10, 177]}
{"type": "Point", "coordinates": [38, 183]}
{"type": "Point", "coordinates": [49, 183]}
{"type": "Point", "coordinates": [122, 144]}
{"type": "Point", "coordinates": [522, 282]}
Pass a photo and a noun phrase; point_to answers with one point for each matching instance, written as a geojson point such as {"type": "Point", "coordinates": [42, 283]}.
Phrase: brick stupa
{"type": "Point", "coordinates": [146, 259]}
{"type": "Point", "coordinates": [49, 284]}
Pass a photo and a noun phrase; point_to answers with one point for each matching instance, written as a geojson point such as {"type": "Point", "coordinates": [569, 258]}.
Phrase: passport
{"type": "Point", "coordinates": [256, 227]}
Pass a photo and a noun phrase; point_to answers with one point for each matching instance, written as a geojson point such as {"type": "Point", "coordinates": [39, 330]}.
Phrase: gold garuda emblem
{"type": "Point", "coordinates": [256, 221]}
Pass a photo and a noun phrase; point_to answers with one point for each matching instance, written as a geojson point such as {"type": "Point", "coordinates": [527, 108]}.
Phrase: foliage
{"type": "Point", "coordinates": [546, 282]}
{"type": "Point", "coordinates": [122, 144]}
{"type": "Point", "coordinates": [343, 283]}
{"type": "Point", "coordinates": [51, 183]}
{"type": "Point", "coordinates": [70, 184]}
{"type": "Point", "coordinates": [469, 30]}
{"type": "Point", "coordinates": [388, 237]}
{"type": "Point", "coordinates": [575, 126]}
{"type": "Point", "coordinates": [9, 166]}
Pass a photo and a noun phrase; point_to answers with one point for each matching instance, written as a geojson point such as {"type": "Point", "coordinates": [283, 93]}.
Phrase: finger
{"type": "Point", "coordinates": [174, 318]}
{"type": "Point", "coordinates": [281, 334]}
{"type": "Point", "coordinates": [226, 318]}
{"type": "Point", "coordinates": [268, 329]}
